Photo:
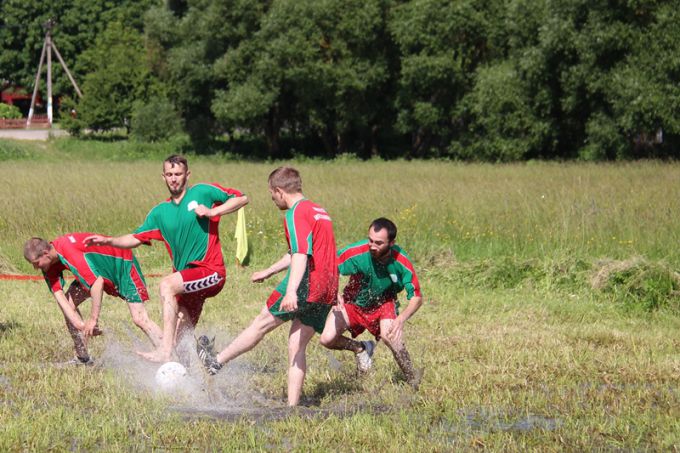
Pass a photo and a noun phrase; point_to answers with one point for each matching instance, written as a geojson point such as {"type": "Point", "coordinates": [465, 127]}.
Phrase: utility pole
{"type": "Point", "coordinates": [48, 47]}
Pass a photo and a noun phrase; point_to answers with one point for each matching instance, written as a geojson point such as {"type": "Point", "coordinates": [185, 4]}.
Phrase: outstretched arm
{"type": "Point", "coordinates": [229, 206]}
{"type": "Point", "coordinates": [127, 241]}
{"type": "Point", "coordinates": [260, 276]}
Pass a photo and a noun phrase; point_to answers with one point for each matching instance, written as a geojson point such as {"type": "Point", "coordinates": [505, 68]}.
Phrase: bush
{"type": "Point", "coordinates": [9, 112]}
{"type": "Point", "coordinates": [68, 117]}
{"type": "Point", "coordinates": [155, 121]}
{"type": "Point", "coordinates": [639, 284]}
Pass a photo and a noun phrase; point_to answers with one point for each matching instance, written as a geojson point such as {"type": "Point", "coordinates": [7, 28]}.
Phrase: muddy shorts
{"type": "Point", "coordinates": [199, 284]}
{"type": "Point", "coordinates": [361, 319]}
{"type": "Point", "coordinates": [312, 314]}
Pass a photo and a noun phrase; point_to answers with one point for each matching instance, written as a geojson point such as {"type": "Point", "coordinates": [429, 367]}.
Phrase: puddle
{"type": "Point", "coordinates": [485, 420]}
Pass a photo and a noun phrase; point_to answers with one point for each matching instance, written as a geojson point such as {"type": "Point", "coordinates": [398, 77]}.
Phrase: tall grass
{"type": "Point", "coordinates": [528, 271]}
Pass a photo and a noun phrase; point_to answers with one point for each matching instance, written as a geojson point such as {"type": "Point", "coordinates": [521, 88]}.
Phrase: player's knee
{"type": "Point", "coordinates": [389, 343]}
{"type": "Point", "coordinates": [166, 289]}
{"type": "Point", "coordinates": [140, 319]}
{"type": "Point", "coordinates": [327, 339]}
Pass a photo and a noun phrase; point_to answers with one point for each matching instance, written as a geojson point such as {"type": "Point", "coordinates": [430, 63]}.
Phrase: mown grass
{"type": "Point", "coordinates": [538, 332]}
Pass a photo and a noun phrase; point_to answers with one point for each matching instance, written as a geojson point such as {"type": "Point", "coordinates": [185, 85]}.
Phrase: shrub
{"type": "Point", "coordinates": [155, 121]}
{"type": "Point", "coordinates": [9, 112]}
{"type": "Point", "coordinates": [639, 284]}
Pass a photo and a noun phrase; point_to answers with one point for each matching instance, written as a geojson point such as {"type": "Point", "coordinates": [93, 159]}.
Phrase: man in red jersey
{"type": "Point", "coordinates": [187, 223]}
{"type": "Point", "coordinates": [306, 293]}
{"type": "Point", "coordinates": [97, 270]}
{"type": "Point", "coordinates": [378, 269]}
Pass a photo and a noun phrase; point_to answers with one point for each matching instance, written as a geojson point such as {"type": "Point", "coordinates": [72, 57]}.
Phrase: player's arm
{"type": "Point", "coordinates": [96, 292]}
{"type": "Point", "coordinates": [397, 328]}
{"type": "Point", "coordinates": [298, 266]}
{"type": "Point", "coordinates": [229, 206]}
{"type": "Point", "coordinates": [69, 310]}
{"type": "Point", "coordinates": [282, 264]}
{"type": "Point", "coordinates": [127, 241]}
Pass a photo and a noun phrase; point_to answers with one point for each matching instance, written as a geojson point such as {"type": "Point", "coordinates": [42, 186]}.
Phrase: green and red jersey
{"type": "Point", "coordinates": [309, 230]}
{"type": "Point", "coordinates": [372, 283]}
{"type": "Point", "coordinates": [191, 240]}
{"type": "Point", "coordinates": [118, 267]}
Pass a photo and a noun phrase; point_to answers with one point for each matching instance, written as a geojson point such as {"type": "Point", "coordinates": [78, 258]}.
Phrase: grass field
{"type": "Point", "coordinates": [551, 318]}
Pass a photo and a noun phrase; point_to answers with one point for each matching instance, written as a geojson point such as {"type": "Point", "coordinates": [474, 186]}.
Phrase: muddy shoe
{"type": "Point", "coordinates": [414, 380]}
{"type": "Point", "coordinates": [205, 348]}
{"type": "Point", "coordinates": [364, 358]}
{"type": "Point", "coordinates": [77, 361]}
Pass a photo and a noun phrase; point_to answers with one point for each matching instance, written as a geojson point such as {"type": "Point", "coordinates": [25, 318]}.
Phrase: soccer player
{"type": "Point", "coordinates": [97, 270]}
{"type": "Point", "coordinates": [378, 270]}
{"type": "Point", "coordinates": [187, 223]}
{"type": "Point", "coordinates": [306, 293]}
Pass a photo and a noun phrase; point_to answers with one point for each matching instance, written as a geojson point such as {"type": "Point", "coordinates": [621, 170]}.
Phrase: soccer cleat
{"type": "Point", "coordinates": [364, 358]}
{"type": "Point", "coordinates": [206, 354]}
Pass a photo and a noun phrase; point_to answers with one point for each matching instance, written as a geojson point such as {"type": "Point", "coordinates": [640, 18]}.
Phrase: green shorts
{"type": "Point", "coordinates": [309, 313]}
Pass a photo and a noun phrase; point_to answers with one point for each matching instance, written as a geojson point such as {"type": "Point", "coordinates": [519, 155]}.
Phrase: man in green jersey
{"type": "Point", "coordinates": [378, 270]}
{"type": "Point", "coordinates": [187, 223]}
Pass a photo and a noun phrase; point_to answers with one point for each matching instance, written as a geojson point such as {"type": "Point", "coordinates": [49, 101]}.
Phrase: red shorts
{"type": "Point", "coordinates": [199, 284]}
{"type": "Point", "coordinates": [361, 319]}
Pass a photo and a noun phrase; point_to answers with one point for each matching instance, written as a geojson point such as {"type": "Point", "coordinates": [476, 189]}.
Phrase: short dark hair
{"type": "Point", "coordinates": [382, 222]}
{"type": "Point", "coordinates": [176, 159]}
{"type": "Point", "coordinates": [286, 178]}
{"type": "Point", "coordinates": [35, 247]}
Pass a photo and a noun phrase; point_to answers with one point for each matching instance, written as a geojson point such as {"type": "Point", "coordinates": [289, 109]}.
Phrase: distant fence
{"type": "Point", "coordinates": [38, 121]}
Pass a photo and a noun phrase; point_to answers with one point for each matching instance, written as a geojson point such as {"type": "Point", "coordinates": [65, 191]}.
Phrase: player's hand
{"type": "Point", "coordinates": [259, 276]}
{"type": "Point", "coordinates": [89, 328]}
{"type": "Point", "coordinates": [394, 333]}
{"type": "Point", "coordinates": [203, 211]}
{"type": "Point", "coordinates": [97, 239]}
{"type": "Point", "coordinates": [341, 301]}
{"type": "Point", "coordinates": [289, 302]}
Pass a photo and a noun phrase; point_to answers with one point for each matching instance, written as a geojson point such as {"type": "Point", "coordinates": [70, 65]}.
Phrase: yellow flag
{"type": "Point", "coordinates": [241, 236]}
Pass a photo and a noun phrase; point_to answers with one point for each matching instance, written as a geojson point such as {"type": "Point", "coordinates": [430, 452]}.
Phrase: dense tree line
{"type": "Point", "coordinates": [469, 79]}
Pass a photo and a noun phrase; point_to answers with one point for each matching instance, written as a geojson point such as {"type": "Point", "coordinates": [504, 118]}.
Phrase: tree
{"type": "Point", "coordinates": [318, 69]}
{"type": "Point", "coordinates": [441, 43]}
{"type": "Point", "coordinates": [118, 79]}
{"type": "Point", "coordinates": [185, 40]}
{"type": "Point", "coordinates": [78, 23]}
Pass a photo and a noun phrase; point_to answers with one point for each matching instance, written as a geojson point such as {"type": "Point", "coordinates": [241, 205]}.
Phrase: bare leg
{"type": "Point", "coordinates": [298, 339]}
{"type": "Point", "coordinates": [170, 287]}
{"type": "Point", "coordinates": [332, 338]}
{"type": "Point", "coordinates": [76, 294]}
{"type": "Point", "coordinates": [141, 319]}
{"type": "Point", "coordinates": [263, 323]}
{"type": "Point", "coordinates": [401, 356]}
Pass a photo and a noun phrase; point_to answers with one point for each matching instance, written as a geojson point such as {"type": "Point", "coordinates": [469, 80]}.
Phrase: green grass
{"type": "Point", "coordinates": [550, 320]}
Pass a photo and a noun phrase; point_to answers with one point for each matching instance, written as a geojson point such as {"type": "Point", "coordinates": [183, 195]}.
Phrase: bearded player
{"type": "Point", "coordinates": [187, 223]}
{"type": "Point", "coordinates": [378, 270]}
{"type": "Point", "coordinates": [97, 270]}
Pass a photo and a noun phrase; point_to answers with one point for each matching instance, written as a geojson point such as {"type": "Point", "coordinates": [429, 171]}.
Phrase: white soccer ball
{"type": "Point", "coordinates": [170, 376]}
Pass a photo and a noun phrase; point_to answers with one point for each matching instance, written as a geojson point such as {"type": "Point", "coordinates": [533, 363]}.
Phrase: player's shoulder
{"type": "Point", "coordinates": [161, 205]}
{"type": "Point", "coordinates": [310, 209]}
{"type": "Point", "coordinates": [354, 249]}
{"type": "Point", "coordinates": [400, 256]}
{"type": "Point", "coordinates": [70, 240]}
{"type": "Point", "coordinates": [208, 187]}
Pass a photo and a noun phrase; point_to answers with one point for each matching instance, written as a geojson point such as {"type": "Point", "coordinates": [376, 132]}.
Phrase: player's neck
{"type": "Point", "coordinates": [293, 198]}
{"type": "Point", "coordinates": [384, 259]}
{"type": "Point", "coordinates": [177, 199]}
